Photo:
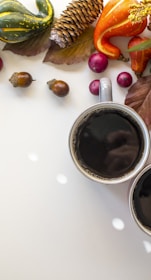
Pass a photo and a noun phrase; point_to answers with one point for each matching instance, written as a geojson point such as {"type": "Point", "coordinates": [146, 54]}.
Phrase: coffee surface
{"type": "Point", "coordinates": [142, 199]}
{"type": "Point", "coordinates": [108, 144]}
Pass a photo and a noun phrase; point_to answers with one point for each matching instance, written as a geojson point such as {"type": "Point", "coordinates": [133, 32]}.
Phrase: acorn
{"type": "Point", "coordinates": [21, 79]}
{"type": "Point", "coordinates": [58, 87]}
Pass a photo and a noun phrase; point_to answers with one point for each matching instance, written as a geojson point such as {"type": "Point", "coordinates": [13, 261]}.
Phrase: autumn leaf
{"type": "Point", "coordinates": [32, 46]}
{"type": "Point", "coordinates": [77, 52]}
{"type": "Point", "coordinates": [139, 98]}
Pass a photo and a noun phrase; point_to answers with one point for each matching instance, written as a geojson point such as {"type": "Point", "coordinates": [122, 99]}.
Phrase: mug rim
{"type": "Point", "coordinates": [139, 166]}
{"type": "Point", "coordinates": [131, 192]}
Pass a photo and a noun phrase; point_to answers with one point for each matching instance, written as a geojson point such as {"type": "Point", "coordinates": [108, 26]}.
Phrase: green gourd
{"type": "Point", "coordinates": [13, 6]}
{"type": "Point", "coordinates": [17, 24]}
{"type": "Point", "coordinates": [44, 7]}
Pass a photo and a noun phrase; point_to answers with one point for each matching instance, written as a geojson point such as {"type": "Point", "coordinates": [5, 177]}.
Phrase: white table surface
{"type": "Point", "coordinates": [55, 224]}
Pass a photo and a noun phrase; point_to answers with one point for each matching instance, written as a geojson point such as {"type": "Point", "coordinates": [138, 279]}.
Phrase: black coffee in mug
{"type": "Point", "coordinates": [142, 199]}
{"type": "Point", "coordinates": [108, 143]}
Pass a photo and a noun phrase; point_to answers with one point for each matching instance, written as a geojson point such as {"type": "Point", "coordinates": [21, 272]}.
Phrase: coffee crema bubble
{"type": "Point", "coordinates": [108, 143]}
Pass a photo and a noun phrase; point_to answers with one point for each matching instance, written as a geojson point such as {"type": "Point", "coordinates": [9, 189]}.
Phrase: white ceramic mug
{"type": "Point", "coordinates": [140, 200]}
{"type": "Point", "coordinates": [108, 158]}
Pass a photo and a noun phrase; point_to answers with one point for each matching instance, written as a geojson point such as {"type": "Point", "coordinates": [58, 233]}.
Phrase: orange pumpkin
{"type": "Point", "coordinates": [139, 59]}
{"type": "Point", "coordinates": [114, 21]}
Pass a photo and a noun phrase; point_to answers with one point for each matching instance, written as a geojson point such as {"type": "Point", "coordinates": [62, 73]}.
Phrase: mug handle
{"type": "Point", "coordinates": [105, 90]}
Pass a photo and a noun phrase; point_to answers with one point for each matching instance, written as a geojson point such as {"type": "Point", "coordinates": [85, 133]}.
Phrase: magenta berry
{"type": "Point", "coordinates": [124, 79]}
{"type": "Point", "coordinates": [98, 62]}
{"type": "Point", "coordinates": [94, 87]}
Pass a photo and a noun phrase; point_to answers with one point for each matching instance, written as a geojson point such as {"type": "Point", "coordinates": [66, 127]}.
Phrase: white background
{"type": "Point", "coordinates": [55, 224]}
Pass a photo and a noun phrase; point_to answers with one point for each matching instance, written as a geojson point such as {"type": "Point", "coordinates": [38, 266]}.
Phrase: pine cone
{"type": "Point", "coordinates": [74, 20]}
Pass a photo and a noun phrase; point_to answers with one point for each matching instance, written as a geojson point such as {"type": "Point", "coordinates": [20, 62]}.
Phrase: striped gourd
{"type": "Point", "coordinates": [19, 24]}
{"type": "Point", "coordinates": [44, 7]}
{"type": "Point", "coordinates": [13, 6]}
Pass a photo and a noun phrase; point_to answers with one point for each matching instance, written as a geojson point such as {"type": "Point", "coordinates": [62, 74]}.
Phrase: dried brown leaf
{"type": "Point", "coordinates": [32, 46]}
{"type": "Point", "coordinates": [77, 52]}
{"type": "Point", "coordinates": [139, 98]}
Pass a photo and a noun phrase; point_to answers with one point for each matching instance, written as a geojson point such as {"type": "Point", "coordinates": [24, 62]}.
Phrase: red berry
{"type": "Point", "coordinates": [98, 62]}
{"type": "Point", "coordinates": [124, 79]}
{"type": "Point", "coordinates": [94, 87]}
